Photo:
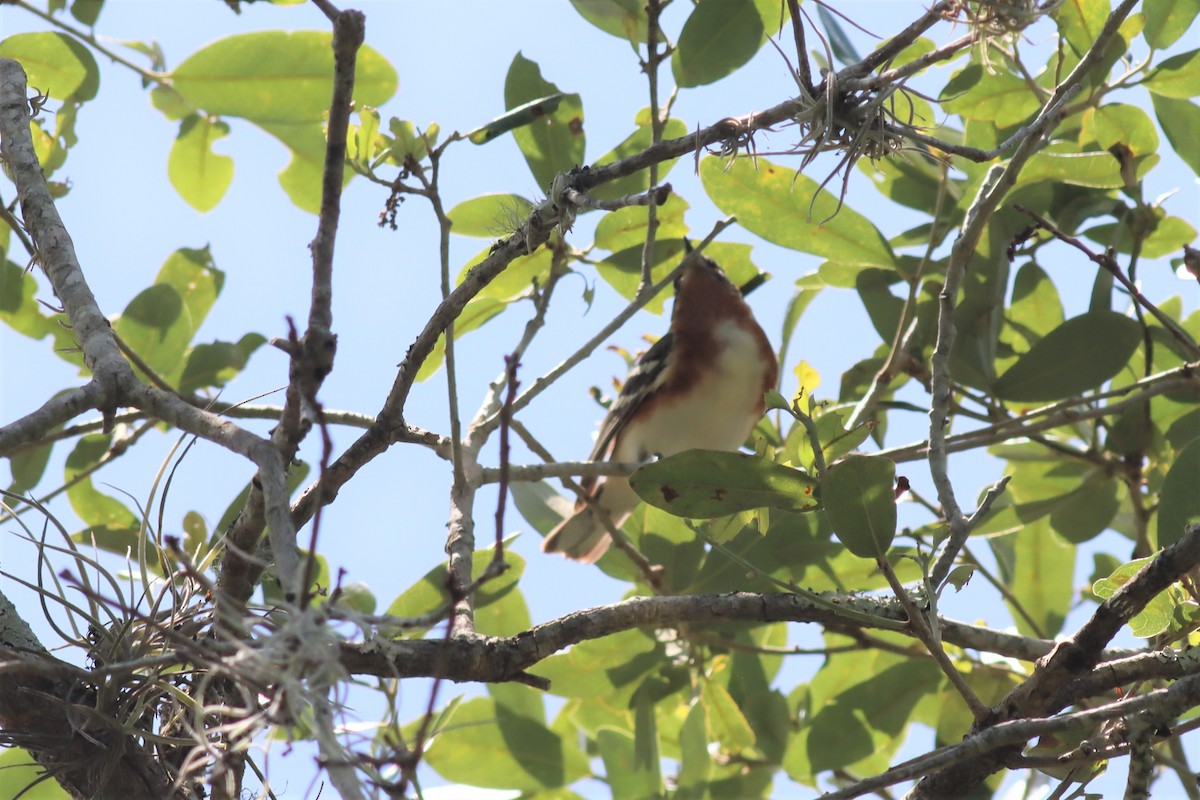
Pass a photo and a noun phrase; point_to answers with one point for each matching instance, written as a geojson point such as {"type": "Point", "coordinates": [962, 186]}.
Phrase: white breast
{"type": "Point", "coordinates": [718, 414]}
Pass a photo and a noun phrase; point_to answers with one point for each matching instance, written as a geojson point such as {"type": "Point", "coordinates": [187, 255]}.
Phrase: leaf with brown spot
{"type": "Point", "coordinates": [714, 483]}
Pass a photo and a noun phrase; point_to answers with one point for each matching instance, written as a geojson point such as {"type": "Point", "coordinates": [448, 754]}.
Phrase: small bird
{"type": "Point", "coordinates": [700, 386]}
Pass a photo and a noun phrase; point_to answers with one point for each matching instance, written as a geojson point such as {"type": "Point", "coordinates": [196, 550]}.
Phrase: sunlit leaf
{"type": "Point", "coordinates": [792, 211]}
{"type": "Point", "coordinates": [519, 117]}
{"type": "Point", "coordinates": [726, 722]}
{"type": "Point", "coordinates": [1177, 76]}
{"type": "Point", "coordinates": [497, 595]}
{"type": "Point", "coordinates": [490, 215]}
{"type": "Point", "coordinates": [200, 175]}
{"type": "Point", "coordinates": [713, 483]}
{"type": "Point", "coordinates": [635, 143]}
{"type": "Point", "coordinates": [625, 19]}
{"type": "Point", "coordinates": [483, 744]}
{"type": "Point", "coordinates": [55, 64]}
{"type": "Point", "coordinates": [19, 773]}
{"type": "Point", "coordinates": [1180, 119]}
{"type": "Point", "coordinates": [555, 141]}
{"type": "Point", "coordinates": [992, 96]}
{"type": "Point", "coordinates": [277, 76]}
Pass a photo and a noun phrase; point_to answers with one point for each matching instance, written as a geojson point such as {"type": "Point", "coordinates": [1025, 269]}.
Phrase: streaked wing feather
{"type": "Point", "coordinates": [647, 375]}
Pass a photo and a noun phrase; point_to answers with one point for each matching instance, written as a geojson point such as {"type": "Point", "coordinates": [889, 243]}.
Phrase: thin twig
{"type": "Point", "coordinates": [510, 366]}
{"type": "Point", "coordinates": [650, 572]}
{"type": "Point", "coordinates": [650, 67]}
{"type": "Point", "coordinates": [923, 629]}
{"type": "Point", "coordinates": [1106, 262]}
{"type": "Point", "coordinates": [803, 69]}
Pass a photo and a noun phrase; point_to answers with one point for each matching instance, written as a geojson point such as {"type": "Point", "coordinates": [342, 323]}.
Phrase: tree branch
{"type": "Point", "coordinates": [494, 659]}
{"type": "Point", "coordinates": [1070, 659]}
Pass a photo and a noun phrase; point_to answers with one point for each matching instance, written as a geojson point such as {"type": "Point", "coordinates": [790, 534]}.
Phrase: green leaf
{"type": "Point", "coordinates": [727, 724]}
{"type": "Point", "coordinates": [533, 500]}
{"type": "Point", "coordinates": [1035, 309]}
{"type": "Point", "coordinates": [1087, 511]}
{"type": "Point", "coordinates": [519, 117]}
{"type": "Point", "coordinates": [477, 313]}
{"type": "Point", "coordinates": [1184, 430]}
{"type": "Point", "coordinates": [485, 744]}
{"type": "Point", "coordinates": [991, 96]}
{"type": "Point", "coordinates": [214, 365]}
{"type": "Point", "coordinates": [161, 320]}
{"type": "Point", "coordinates": [1166, 237]}
{"type": "Point", "coordinates": [626, 227]}
{"type": "Point", "coordinates": [1079, 355]}
{"type": "Point", "coordinates": [604, 670]}
{"type": "Point", "coordinates": [18, 774]}
{"type": "Point", "coordinates": [195, 533]}
{"type": "Point", "coordinates": [635, 143]}
{"type": "Point", "coordinates": [1092, 170]}
{"type": "Point", "coordinates": [19, 308]}
{"type": "Point", "coordinates": [87, 11]}
{"type": "Point", "coordinates": [27, 467]}
{"type": "Point", "coordinates": [696, 764]}
{"type": "Point", "coordinates": [883, 308]}
{"type": "Point", "coordinates": [1177, 77]}
{"type": "Point", "coordinates": [1117, 123]}
{"type": "Point", "coordinates": [1079, 499]}
{"type": "Point", "coordinates": [623, 269]}
{"type": "Point", "coordinates": [859, 497]}
{"type": "Point", "coordinates": [489, 216]}
{"type": "Point", "coordinates": [1038, 566]}
{"type": "Point", "coordinates": [629, 773]}
{"type": "Point", "coordinates": [429, 594]}
{"type": "Point", "coordinates": [277, 76]}
{"type": "Point", "coordinates": [555, 143]}
{"type": "Point", "coordinates": [791, 317]}
{"type": "Point", "coordinates": [1167, 20]}
{"type": "Point", "coordinates": [410, 142]}
{"type": "Point", "coordinates": [364, 142]}
{"type": "Point", "coordinates": [716, 39]}
{"type": "Point", "coordinates": [156, 327]}
{"type": "Point", "coordinates": [1179, 502]}
{"type": "Point", "coordinates": [55, 64]}
{"type": "Point", "coordinates": [625, 19]}
{"type": "Point", "coordinates": [856, 711]}
{"type": "Point", "coordinates": [839, 43]}
{"type": "Point", "coordinates": [792, 211]}
{"type": "Point", "coordinates": [1080, 21]}
{"type": "Point", "coordinates": [301, 178]}
{"type": "Point", "coordinates": [835, 440]}
{"type": "Point", "coordinates": [713, 483]}
{"type": "Point", "coordinates": [281, 82]}
{"type": "Point", "coordinates": [200, 175]}
{"type": "Point", "coordinates": [1155, 617]}
{"type": "Point", "coordinates": [1180, 119]}
{"type": "Point", "coordinates": [93, 506]}
{"type": "Point", "coordinates": [170, 102]}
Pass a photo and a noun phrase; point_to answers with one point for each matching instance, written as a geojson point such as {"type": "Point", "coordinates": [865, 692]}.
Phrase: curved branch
{"type": "Point", "coordinates": [492, 659]}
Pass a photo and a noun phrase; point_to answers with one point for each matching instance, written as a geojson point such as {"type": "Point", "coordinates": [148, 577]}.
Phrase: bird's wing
{"type": "Point", "coordinates": [646, 376]}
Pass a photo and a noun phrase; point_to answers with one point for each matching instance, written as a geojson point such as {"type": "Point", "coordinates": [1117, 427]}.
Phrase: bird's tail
{"type": "Point", "coordinates": [581, 536]}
